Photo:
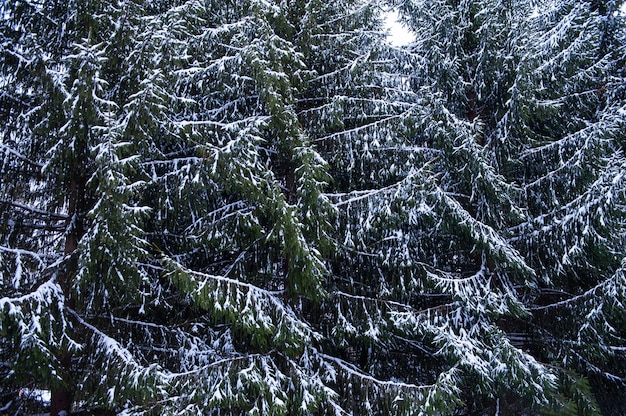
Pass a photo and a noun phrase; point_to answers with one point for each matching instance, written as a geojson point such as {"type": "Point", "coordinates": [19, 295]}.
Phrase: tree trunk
{"type": "Point", "coordinates": [62, 397]}
{"type": "Point", "coordinates": [290, 196]}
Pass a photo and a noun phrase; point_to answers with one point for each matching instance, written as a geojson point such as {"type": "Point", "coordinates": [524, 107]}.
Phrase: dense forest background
{"type": "Point", "coordinates": [227, 207]}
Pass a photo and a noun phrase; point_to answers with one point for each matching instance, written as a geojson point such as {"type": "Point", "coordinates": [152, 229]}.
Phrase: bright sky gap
{"type": "Point", "coordinates": [398, 34]}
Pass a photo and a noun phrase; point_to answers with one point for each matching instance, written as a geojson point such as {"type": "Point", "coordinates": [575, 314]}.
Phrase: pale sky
{"type": "Point", "coordinates": [398, 34]}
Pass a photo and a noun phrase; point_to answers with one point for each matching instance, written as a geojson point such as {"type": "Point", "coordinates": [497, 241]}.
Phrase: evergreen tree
{"type": "Point", "coordinates": [188, 220]}
{"type": "Point", "coordinates": [540, 84]}
{"type": "Point", "coordinates": [572, 171]}
{"type": "Point", "coordinates": [428, 275]}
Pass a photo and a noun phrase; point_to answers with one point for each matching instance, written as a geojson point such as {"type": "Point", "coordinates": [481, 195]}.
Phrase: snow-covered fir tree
{"type": "Point", "coordinates": [567, 114]}
{"type": "Point", "coordinates": [182, 236]}
{"type": "Point", "coordinates": [429, 276]}
{"type": "Point", "coordinates": [71, 241]}
{"type": "Point", "coordinates": [540, 85]}
{"type": "Point", "coordinates": [260, 207]}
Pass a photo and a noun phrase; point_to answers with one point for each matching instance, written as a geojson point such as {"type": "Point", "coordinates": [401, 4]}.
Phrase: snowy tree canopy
{"type": "Point", "coordinates": [263, 207]}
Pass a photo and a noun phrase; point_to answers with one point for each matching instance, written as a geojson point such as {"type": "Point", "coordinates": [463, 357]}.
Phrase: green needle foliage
{"type": "Point", "coordinates": [220, 207]}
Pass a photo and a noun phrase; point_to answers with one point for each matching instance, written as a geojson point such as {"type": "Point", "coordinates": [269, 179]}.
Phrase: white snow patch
{"type": "Point", "coordinates": [43, 396]}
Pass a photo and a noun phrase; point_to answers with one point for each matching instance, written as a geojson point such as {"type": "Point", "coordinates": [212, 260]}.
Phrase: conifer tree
{"type": "Point", "coordinates": [572, 171]}
{"type": "Point", "coordinates": [188, 220]}
{"type": "Point", "coordinates": [540, 86]}
{"type": "Point", "coordinates": [427, 274]}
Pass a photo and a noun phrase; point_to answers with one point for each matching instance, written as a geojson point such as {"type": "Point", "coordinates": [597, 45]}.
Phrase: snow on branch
{"type": "Point", "coordinates": [270, 383]}
{"type": "Point", "coordinates": [9, 151]}
{"type": "Point", "coordinates": [582, 143]}
{"type": "Point", "coordinates": [364, 127]}
{"type": "Point", "coordinates": [35, 210]}
{"type": "Point", "coordinates": [613, 288]}
{"type": "Point", "coordinates": [352, 370]}
{"type": "Point", "coordinates": [137, 381]}
{"type": "Point", "coordinates": [395, 189]}
{"type": "Point", "coordinates": [589, 220]}
{"type": "Point", "coordinates": [260, 312]}
{"type": "Point", "coordinates": [21, 252]}
{"type": "Point", "coordinates": [484, 234]}
{"type": "Point", "coordinates": [397, 397]}
{"type": "Point", "coordinates": [47, 294]}
{"type": "Point", "coordinates": [38, 320]}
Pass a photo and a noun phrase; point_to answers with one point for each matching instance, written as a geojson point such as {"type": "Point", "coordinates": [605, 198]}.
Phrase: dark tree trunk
{"type": "Point", "coordinates": [290, 197]}
{"type": "Point", "coordinates": [62, 396]}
